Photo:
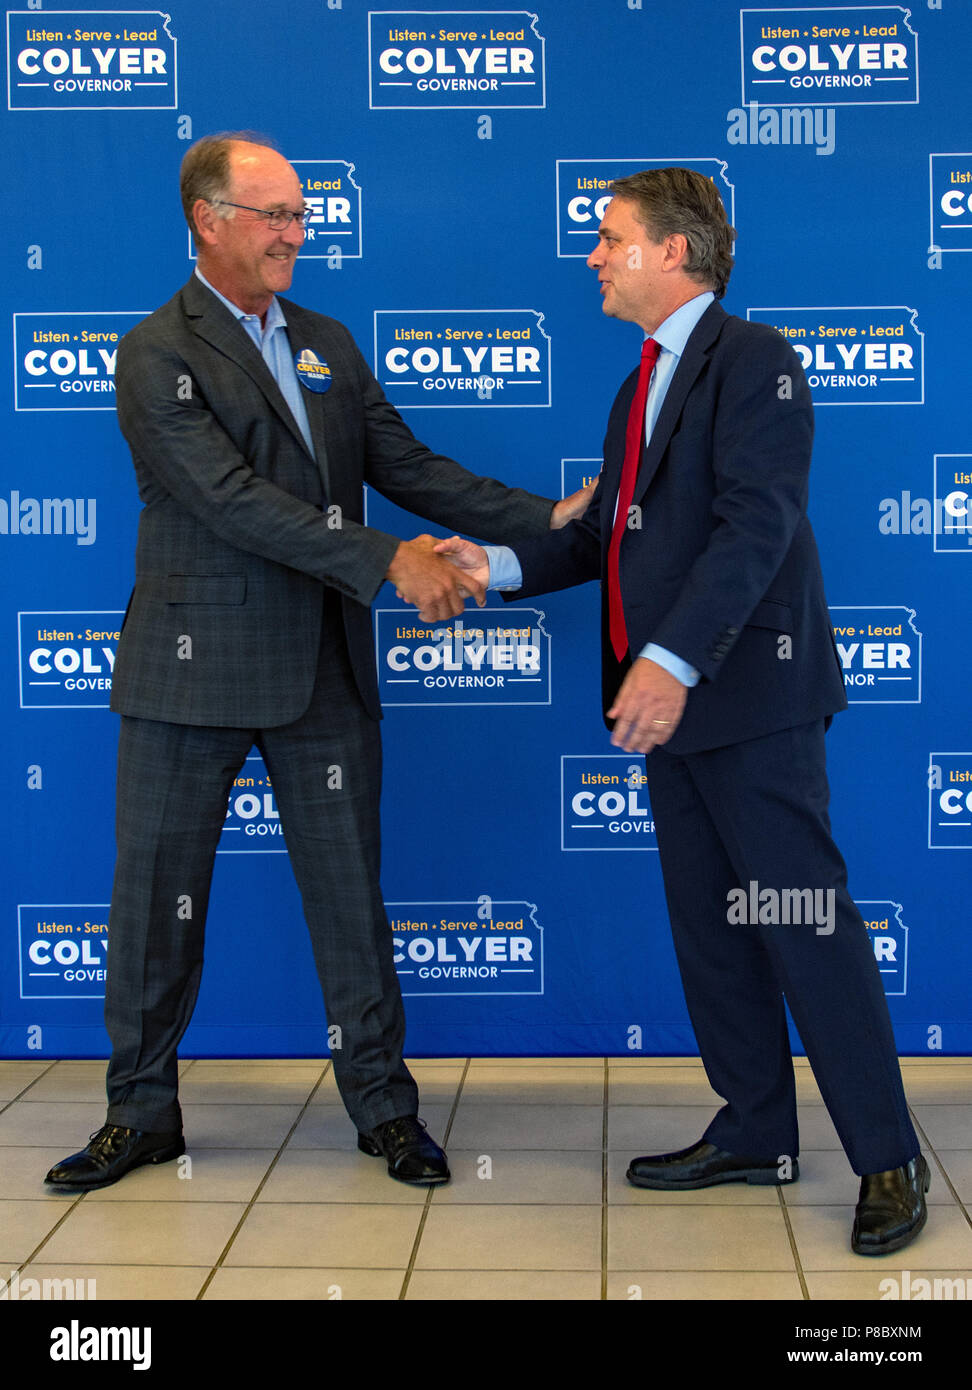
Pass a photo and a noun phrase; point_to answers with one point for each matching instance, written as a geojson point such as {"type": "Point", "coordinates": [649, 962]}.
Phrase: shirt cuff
{"type": "Point", "coordinates": [673, 664]}
{"type": "Point", "coordinates": [504, 568]}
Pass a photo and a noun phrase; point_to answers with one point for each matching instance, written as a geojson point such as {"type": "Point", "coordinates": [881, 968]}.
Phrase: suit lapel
{"type": "Point", "coordinates": [304, 332]}
{"type": "Point", "coordinates": [693, 359]}
{"type": "Point", "coordinates": [213, 322]}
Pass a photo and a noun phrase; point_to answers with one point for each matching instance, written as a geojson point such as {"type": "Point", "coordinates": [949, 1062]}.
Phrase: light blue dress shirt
{"type": "Point", "coordinates": [274, 347]}
{"type": "Point", "coordinates": [671, 336]}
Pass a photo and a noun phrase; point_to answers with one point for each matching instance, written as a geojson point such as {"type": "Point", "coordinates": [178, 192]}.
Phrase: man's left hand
{"type": "Point", "coordinates": [648, 707]}
{"type": "Point", "coordinates": [572, 507]}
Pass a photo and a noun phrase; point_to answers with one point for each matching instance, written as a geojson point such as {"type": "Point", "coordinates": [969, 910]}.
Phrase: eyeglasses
{"type": "Point", "coordinates": [277, 218]}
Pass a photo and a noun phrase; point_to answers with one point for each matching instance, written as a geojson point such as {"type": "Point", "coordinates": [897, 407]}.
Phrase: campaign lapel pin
{"type": "Point", "coordinates": [312, 371]}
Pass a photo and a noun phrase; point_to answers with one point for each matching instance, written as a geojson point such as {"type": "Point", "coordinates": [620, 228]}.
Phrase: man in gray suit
{"type": "Point", "coordinates": [253, 424]}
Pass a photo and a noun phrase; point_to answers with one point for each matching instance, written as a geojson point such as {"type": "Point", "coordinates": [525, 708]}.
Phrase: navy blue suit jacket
{"type": "Point", "coordinates": [721, 566]}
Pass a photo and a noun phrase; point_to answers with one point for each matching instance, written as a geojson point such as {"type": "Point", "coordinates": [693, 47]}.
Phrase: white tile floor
{"type": "Point", "coordinates": [278, 1204]}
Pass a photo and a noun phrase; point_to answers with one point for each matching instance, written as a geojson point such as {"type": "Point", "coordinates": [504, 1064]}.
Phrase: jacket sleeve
{"type": "Point", "coordinates": [182, 452]}
{"type": "Point", "coordinates": [560, 559]}
{"type": "Point", "coordinates": [436, 487]}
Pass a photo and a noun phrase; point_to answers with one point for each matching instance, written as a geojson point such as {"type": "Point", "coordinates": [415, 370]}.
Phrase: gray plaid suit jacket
{"type": "Point", "coordinates": [237, 540]}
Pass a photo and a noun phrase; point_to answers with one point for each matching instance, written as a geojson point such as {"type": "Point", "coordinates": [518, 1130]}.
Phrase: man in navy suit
{"type": "Point", "coordinates": [719, 664]}
{"type": "Point", "coordinates": [253, 424]}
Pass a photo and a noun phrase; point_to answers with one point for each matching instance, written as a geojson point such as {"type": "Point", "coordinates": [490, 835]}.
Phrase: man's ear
{"type": "Point", "coordinates": [676, 251]}
{"type": "Point", "coordinates": [205, 217]}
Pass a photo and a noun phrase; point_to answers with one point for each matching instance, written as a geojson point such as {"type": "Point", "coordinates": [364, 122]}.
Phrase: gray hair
{"type": "Point", "coordinates": [205, 171]}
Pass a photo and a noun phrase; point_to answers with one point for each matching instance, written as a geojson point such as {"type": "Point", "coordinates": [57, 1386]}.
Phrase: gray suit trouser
{"type": "Point", "coordinates": [174, 781]}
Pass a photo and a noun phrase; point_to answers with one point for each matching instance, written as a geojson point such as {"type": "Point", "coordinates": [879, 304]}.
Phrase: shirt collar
{"type": "Point", "coordinates": [275, 315]}
{"type": "Point", "coordinates": [674, 332]}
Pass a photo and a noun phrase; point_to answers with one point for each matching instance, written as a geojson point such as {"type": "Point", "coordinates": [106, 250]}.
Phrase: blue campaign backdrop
{"type": "Point", "coordinates": [455, 161]}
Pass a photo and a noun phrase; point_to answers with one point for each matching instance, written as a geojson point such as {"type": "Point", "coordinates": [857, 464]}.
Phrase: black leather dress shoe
{"type": "Point", "coordinates": [703, 1165]}
{"type": "Point", "coordinates": [411, 1154]}
{"type": "Point", "coordinates": [111, 1153]}
{"type": "Point", "coordinates": [891, 1208]}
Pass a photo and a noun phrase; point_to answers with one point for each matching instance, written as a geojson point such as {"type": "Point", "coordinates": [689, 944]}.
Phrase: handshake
{"type": "Point", "coordinates": [439, 575]}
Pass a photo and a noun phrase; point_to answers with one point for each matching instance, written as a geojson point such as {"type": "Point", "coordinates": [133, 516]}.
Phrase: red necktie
{"type": "Point", "coordinates": [633, 444]}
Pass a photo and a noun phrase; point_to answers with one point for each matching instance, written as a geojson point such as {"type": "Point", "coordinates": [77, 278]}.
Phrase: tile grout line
{"type": "Point", "coordinates": [20, 1094]}
{"type": "Point", "coordinates": [941, 1169]}
{"type": "Point", "coordinates": [793, 1245]}
{"type": "Point", "coordinates": [261, 1185]}
{"type": "Point", "coordinates": [413, 1256]}
{"type": "Point", "coordinates": [71, 1205]}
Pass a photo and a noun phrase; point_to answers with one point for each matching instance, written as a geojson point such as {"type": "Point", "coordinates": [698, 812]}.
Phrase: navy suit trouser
{"type": "Point", "coordinates": [173, 784]}
{"type": "Point", "coordinates": [755, 813]}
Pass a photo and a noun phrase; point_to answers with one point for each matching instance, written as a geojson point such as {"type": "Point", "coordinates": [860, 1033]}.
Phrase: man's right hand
{"type": "Point", "coordinates": [437, 588]}
{"type": "Point", "coordinates": [469, 558]}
